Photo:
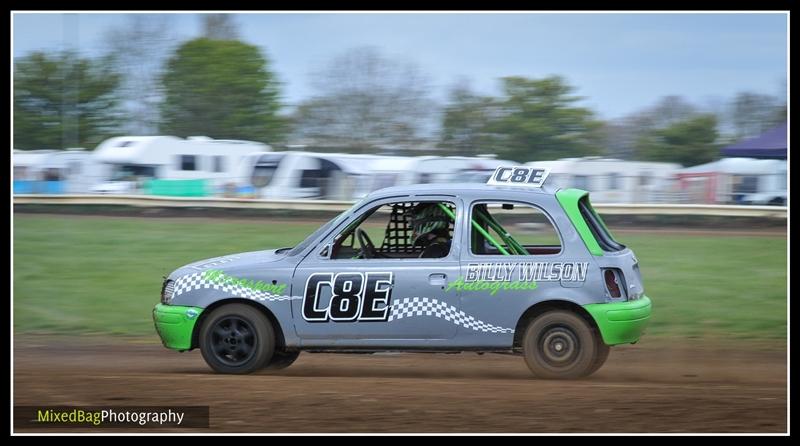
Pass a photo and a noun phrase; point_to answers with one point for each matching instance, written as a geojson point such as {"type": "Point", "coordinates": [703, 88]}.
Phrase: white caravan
{"type": "Point", "coordinates": [133, 159]}
{"type": "Point", "coordinates": [403, 171]}
{"type": "Point", "coordinates": [736, 181]}
{"type": "Point", "coordinates": [27, 164]}
{"type": "Point", "coordinates": [612, 180]}
{"type": "Point", "coordinates": [307, 175]}
{"type": "Point", "coordinates": [76, 169]}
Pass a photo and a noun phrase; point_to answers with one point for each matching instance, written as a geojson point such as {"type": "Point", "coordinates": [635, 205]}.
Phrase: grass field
{"type": "Point", "coordinates": [76, 275]}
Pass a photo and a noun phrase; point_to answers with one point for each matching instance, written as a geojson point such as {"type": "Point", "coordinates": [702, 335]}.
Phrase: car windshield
{"type": "Point", "coordinates": [323, 229]}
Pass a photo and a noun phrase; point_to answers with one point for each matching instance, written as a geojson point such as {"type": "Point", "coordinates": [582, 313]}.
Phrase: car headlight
{"type": "Point", "coordinates": [167, 289]}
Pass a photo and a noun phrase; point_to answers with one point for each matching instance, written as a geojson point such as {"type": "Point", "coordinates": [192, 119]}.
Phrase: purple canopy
{"type": "Point", "coordinates": [771, 144]}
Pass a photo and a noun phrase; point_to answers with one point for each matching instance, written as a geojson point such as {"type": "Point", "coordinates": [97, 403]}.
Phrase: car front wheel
{"type": "Point", "coordinates": [237, 339]}
{"type": "Point", "coordinates": [281, 360]}
{"type": "Point", "coordinates": [562, 345]}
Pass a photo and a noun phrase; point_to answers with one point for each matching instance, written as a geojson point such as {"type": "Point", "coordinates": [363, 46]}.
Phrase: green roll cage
{"type": "Point", "coordinates": [487, 219]}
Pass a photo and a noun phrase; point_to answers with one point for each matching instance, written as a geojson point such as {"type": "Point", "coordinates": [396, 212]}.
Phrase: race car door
{"type": "Point", "coordinates": [515, 258]}
{"type": "Point", "coordinates": [386, 292]}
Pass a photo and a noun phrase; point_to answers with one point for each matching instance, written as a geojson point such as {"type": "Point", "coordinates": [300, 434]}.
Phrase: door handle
{"type": "Point", "coordinates": [437, 279]}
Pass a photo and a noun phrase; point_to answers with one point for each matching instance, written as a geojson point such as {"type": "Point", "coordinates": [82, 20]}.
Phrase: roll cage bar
{"type": "Point", "coordinates": [487, 219]}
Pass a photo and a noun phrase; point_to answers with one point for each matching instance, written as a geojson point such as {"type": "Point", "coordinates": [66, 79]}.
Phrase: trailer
{"type": "Point", "coordinates": [71, 171]}
{"type": "Point", "coordinates": [736, 181]}
{"type": "Point", "coordinates": [613, 180]}
{"type": "Point", "coordinates": [306, 175]}
{"type": "Point", "coordinates": [139, 163]}
{"type": "Point", "coordinates": [27, 164]}
{"type": "Point", "coordinates": [405, 171]}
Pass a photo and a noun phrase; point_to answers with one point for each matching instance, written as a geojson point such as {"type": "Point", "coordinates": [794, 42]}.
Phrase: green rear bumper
{"type": "Point", "coordinates": [621, 322]}
{"type": "Point", "coordinates": [175, 325]}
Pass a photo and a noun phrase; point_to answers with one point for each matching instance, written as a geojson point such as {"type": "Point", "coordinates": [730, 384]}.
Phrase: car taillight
{"type": "Point", "coordinates": [612, 283]}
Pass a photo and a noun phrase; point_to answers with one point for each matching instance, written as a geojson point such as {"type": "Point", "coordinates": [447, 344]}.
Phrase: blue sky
{"type": "Point", "coordinates": [619, 62]}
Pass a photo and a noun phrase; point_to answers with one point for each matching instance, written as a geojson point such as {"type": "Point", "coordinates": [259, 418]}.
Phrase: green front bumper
{"type": "Point", "coordinates": [175, 325]}
{"type": "Point", "coordinates": [621, 322]}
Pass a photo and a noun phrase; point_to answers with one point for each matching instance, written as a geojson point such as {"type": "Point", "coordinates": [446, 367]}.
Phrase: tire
{"type": "Point", "coordinates": [237, 339]}
{"type": "Point", "coordinates": [600, 358]}
{"type": "Point", "coordinates": [281, 360]}
{"type": "Point", "coordinates": [562, 345]}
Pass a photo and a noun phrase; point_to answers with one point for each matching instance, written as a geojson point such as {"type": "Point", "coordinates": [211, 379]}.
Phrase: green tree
{"type": "Point", "coordinates": [689, 142]}
{"type": "Point", "coordinates": [539, 121]}
{"type": "Point", "coordinates": [623, 134]}
{"type": "Point", "coordinates": [221, 89]}
{"type": "Point", "coordinates": [536, 119]}
{"type": "Point", "coordinates": [466, 122]}
{"type": "Point", "coordinates": [62, 100]}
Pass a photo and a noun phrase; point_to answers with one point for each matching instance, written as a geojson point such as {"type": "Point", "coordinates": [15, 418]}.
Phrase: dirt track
{"type": "Point", "coordinates": [642, 388]}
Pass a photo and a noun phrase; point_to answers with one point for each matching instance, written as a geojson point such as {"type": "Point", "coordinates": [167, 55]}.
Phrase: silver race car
{"type": "Point", "coordinates": [511, 266]}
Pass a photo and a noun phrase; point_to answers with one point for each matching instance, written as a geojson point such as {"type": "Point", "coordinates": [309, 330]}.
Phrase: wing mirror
{"type": "Point", "coordinates": [325, 252]}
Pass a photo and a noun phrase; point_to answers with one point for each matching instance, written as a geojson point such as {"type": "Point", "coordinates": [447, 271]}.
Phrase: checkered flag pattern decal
{"type": "Point", "coordinates": [401, 308]}
{"type": "Point", "coordinates": [196, 281]}
{"type": "Point", "coordinates": [423, 306]}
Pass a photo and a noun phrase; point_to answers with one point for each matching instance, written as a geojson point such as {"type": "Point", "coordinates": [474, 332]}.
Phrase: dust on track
{"type": "Point", "coordinates": [656, 387]}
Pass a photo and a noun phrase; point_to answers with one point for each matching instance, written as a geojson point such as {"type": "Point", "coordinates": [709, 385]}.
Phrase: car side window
{"type": "Point", "coordinates": [505, 228]}
{"type": "Point", "coordinates": [399, 230]}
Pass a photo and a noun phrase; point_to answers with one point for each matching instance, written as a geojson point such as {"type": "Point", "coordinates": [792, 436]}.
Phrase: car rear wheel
{"type": "Point", "coordinates": [600, 358]}
{"type": "Point", "coordinates": [281, 360]}
{"type": "Point", "coordinates": [237, 339]}
{"type": "Point", "coordinates": [562, 345]}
